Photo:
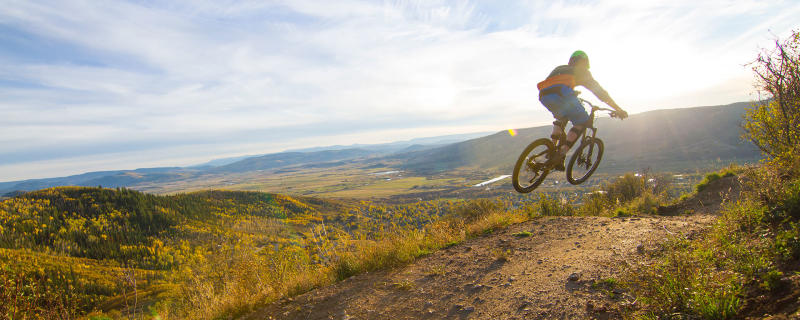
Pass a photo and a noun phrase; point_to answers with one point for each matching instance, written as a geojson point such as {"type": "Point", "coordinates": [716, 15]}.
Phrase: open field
{"type": "Point", "coordinates": [369, 182]}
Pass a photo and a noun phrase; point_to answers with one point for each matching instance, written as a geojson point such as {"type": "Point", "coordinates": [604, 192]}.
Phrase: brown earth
{"type": "Point", "coordinates": [554, 273]}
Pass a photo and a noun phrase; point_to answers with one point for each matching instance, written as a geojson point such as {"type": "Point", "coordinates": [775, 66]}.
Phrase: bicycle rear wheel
{"type": "Point", "coordinates": [531, 168]}
{"type": "Point", "coordinates": [585, 160]}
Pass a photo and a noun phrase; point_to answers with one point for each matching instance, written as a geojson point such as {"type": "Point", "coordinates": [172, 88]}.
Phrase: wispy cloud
{"type": "Point", "coordinates": [201, 79]}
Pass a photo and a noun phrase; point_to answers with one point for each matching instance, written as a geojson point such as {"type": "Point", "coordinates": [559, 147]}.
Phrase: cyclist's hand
{"type": "Point", "coordinates": [621, 114]}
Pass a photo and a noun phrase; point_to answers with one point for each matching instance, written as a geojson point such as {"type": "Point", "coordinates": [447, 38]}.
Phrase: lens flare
{"type": "Point", "coordinates": [512, 132]}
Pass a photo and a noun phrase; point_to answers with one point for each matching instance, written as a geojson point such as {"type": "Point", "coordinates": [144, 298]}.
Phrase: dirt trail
{"type": "Point", "coordinates": [548, 274]}
{"type": "Point", "coordinates": [498, 276]}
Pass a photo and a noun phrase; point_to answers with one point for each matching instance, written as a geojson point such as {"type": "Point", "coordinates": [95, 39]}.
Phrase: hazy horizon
{"type": "Point", "coordinates": [132, 84]}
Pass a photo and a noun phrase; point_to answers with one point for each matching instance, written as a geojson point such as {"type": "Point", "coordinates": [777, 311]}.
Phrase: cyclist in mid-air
{"type": "Point", "coordinates": [558, 95]}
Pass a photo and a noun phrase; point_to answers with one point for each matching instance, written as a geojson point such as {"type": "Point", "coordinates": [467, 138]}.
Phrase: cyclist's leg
{"type": "Point", "coordinates": [554, 102]}
{"type": "Point", "coordinates": [577, 115]}
{"type": "Point", "coordinates": [558, 130]}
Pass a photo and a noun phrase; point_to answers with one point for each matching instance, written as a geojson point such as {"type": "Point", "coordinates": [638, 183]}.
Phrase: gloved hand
{"type": "Point", "coordinates": [621, 114]}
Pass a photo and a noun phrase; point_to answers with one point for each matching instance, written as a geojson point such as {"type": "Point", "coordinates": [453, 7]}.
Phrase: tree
{"type": "Point", "coordinates": [773, 124]}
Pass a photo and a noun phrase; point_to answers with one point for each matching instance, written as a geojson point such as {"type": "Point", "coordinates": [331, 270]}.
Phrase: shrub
{"type": "Point", "coordinates": [647, 203]}
{"type": "Point", "coordinates": [552, 206]}
{"type": "Point", "coordinates": [595, 203]}
{"type": "Point", "coordinates": [711, 177]}
{"type": "Point", "coordinates": [628, 195]}
{"type": "Point", "coordinates": [472, 210]}
{"type": "Point", "coordinates": [625, 188]}
{"type": "Point", "coordinates": [787, 243]}
{"type": "Point", "coordinates": [773, 125]}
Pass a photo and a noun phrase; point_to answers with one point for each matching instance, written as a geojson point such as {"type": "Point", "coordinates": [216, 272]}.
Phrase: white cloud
{"type": "Point", "coordinates": [189, 72]}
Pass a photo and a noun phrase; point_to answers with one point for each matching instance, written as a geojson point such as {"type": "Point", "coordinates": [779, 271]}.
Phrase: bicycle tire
{"type": "Point", "coordinates": [580, 151]}
{"type": "Point", "coordinates": [540, 171]}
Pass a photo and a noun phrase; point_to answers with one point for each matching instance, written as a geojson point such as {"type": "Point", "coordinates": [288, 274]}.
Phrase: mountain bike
{"type": "Point", "coordinates": [534, 163]}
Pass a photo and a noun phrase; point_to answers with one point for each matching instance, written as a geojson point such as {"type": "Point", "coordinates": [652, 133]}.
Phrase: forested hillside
{"type": "Point", "coordinates": [72, 250]}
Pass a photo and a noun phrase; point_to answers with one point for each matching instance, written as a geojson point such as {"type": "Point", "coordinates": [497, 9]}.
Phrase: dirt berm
{"type": "Point", "coordinates": [547, 275]}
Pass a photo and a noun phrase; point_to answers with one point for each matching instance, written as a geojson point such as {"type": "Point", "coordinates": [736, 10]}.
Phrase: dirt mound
{"type": "Point", "coordinates": [708, 201]}
{"type": "Point", "coordinates": [546, 268]}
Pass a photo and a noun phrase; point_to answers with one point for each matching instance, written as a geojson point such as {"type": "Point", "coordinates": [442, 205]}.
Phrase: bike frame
{"type": "Point", "coordinates": [591, 126]}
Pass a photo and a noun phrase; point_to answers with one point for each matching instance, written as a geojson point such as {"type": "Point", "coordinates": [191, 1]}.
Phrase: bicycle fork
{"type": "Point", "coordinates": [588, 158]}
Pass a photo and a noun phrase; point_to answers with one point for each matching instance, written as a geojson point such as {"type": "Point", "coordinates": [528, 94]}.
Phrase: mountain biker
{"type": "Point", "coordinates": [557, 94]}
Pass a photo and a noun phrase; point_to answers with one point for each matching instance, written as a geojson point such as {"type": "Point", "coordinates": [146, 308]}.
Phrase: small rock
{"type": "Point", "coordinates": [574, 276]}
{"type": "Point", "coordinates": [469, 309]}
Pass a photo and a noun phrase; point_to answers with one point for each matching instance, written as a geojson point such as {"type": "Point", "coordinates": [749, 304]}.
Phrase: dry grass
{"type": "Point", "coordinates": [743, 255]}
{"type": "Point", "coordinates": [237, 279]}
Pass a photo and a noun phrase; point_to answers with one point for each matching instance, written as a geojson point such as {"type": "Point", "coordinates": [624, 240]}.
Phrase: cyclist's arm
{"type": "Point", "coordinates": [590, 83]}
{"type": "Point", "coordinates": [601, 93]}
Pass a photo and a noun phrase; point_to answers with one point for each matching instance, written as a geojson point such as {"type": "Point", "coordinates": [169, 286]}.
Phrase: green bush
{"type": "Point", "coordinates": [647, 203]}
{"type": "Point", "coordinates": [625, 188]}
{"type": "Point", "coordinates": [594, 204]}
{"type": "Point", "coordinates": [787, 243]}
{"type": "Point", "coordinates": [472, 210]}
{"type": "Point", "coordinates": [708, 179]}
{"type": "Point", "coordinates": [552, 206]}
{"type": "Point", "coordinates": [774, 124]}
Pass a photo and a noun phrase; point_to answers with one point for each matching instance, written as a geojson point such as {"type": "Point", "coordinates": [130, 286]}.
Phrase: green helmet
{"type": "Point", "coordinates": [578, 55]}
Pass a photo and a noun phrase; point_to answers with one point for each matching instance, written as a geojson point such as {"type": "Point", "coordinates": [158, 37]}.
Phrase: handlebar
{"type": "Point", "coordinates": [596, 108]}
{"type": "Point", "coordinates": [613, 113]}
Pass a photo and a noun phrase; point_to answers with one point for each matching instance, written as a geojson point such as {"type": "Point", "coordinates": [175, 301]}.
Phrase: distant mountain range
{"type": "Point", "coordinates": [662, 140]}
{"type": "Point", "coordinates": [311, 156]}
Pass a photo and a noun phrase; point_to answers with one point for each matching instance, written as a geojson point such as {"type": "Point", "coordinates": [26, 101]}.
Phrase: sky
{"type": "Point", "coordinates": [103, 85]}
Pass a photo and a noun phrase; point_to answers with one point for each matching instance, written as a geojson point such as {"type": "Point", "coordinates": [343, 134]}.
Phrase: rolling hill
{"type": "Point", "coordinates": [661, 139]}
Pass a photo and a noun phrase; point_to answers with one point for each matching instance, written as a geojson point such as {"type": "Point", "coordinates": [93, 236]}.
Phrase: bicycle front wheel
{"type": "Point", "coordinates": [585, 160]}
{"type": "Point", "coordinates": [531, 167]}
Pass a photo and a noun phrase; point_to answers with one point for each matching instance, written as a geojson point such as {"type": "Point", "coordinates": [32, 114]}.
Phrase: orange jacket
{"type": "Point", "coordinates": [571, 77]}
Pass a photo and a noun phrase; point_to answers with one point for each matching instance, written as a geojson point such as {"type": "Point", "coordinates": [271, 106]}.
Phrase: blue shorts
{"type": "Point", "coordinates": [564, 105]}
